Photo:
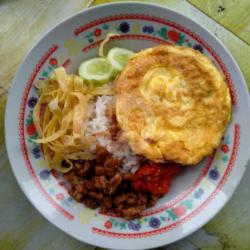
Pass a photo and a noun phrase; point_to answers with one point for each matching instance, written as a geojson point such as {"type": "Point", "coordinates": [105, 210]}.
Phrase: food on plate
{"type": "Point", "coordinates": [100, 70]}
{"type": "Point", "coordinates": [59, 116]}
{"type": "Point", "coordinates": [118, 58]}
{"type": "Point", "coordinates": [120, 143]}
{"type": "Point", "coordinates": [172, 104]}
{"type": "Point", "coordinates": [97, 71]}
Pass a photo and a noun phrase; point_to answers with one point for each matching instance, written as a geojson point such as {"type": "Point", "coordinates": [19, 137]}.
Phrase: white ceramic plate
{"type": "Point", "coordinates": [196, 195]}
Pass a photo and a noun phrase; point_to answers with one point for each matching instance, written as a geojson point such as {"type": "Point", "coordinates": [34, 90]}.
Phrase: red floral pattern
{"type": "Point", "coordinates": [180, 210]}
{"type": "Point", "coordinates": [53, 61]}
{"type": "Point", "coordinates": [31, 129]}
{"type": "Point", "coordinates": [108, 224]}
{"type": "Point", "coordinates": [97, 32]}
{"type": "Point", "coordinates": [225, 148]}
{"type": "Point", "coordinates": [173, 35]}
{"type": "Point", "coordinates": [60, 196]}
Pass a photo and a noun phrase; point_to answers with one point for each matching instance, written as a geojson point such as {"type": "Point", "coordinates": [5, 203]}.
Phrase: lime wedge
{"type": "Point", "coordinates": [118, 58]}
{"type": "Point", "coordinates": [96, 71]}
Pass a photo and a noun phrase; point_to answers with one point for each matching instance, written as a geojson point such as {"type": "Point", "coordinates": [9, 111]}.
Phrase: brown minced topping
{"type": "Point", "coordinates": [99, 183]}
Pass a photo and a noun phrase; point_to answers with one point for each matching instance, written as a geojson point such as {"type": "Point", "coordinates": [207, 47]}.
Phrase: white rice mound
{"type": "Point", "coordinates": [98, 124]}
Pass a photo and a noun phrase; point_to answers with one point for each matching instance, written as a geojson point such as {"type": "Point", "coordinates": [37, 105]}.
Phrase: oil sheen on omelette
{"type": "Point", "coordinates": [172, 104]}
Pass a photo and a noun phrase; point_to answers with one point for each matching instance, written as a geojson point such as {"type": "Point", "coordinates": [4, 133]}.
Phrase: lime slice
{"type": "Point", "coordinates": [118, 58]}
{"type": "Point", "coordinates": [96, 71]}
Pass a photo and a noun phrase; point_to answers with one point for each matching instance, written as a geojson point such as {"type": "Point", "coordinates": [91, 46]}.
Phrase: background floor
{"type": "Point", "coordinates": [22, 23]}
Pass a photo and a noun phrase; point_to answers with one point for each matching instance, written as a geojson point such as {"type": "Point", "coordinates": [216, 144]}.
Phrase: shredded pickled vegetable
{"type": "Point", "coordinates": [106, 40]}
{"type": "Point", "coordinates": [59, 116]}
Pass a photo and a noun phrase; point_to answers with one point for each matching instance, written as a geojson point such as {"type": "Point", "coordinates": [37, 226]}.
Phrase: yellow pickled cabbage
{"type": "Point", "coordinates": [59, 116]}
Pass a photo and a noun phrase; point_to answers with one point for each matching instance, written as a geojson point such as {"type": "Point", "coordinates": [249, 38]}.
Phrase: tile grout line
{"type": "Point", "coordinates": [243, 40]}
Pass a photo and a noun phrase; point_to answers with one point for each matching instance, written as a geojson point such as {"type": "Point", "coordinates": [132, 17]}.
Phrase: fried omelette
{"type": "Point", "coordinates": [172, 104]}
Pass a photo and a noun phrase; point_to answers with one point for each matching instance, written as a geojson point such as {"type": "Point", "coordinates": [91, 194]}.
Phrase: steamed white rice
{"type": "Point", "coordinates": [98, 124]}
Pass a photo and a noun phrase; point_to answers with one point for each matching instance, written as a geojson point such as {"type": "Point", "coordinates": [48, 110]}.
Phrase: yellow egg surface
{"type": "Point", "coordinates": [172, 104]}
